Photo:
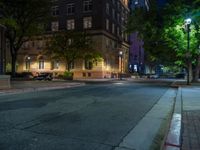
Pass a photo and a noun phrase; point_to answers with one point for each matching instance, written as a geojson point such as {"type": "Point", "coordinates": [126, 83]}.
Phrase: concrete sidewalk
{"type": "Point", "coordinates": [30, 86]}
{"type": "Point", "coordinates": [184, 132]}
{"type": "Point", "coordinates": [191, 117]}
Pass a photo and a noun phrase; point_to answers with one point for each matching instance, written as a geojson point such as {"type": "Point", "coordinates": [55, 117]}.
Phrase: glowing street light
{"type": "Point", "coordinates": [121, 57]}
{"type": "Point", "coordinates": [188, 21]}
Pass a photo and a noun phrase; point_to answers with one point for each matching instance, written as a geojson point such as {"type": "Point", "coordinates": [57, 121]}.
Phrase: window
{"type": "Point", "coordinates": [39, 44]}
{"type": "Point", "coordinates": [41, 63]}
{"type": "Point", "coordinates": [71, 24]}
{"type": "Point", "coordinates": [87, 5]}
{"type": "Point", "coordinates": [113, 1]}
{"type": "Point", "coordinates": [28, 63]}
{"type": "Point", "coordinates": [118, 5]}
{"type": "Point", "coordinates": [55, 65]}
{"type": "Point", "coordinates": [118, 18]}
{"type": "Point", "coordinates": [70, 9]}
{"type": "Point", "coordinates": [26, 45]}
{"type": "Point", "coordinates": [71, 65]}
{"type": "Point", "coordinates": [118, 31]}
{"type": "Point", "coordinates": [54, 26]}
{"type": "Point", "coordinates": [69, 41]}
{"type": "Point", "coordinates": [113, 28]}
{"type": "Point", "coordinates": [88, 64]}
{"type": "Point", "coordinates": [87, 22]}
{"type": "Point", "coordinates": [107, 24]}
{"type": "Point", "coordinates": [55, 11]}
{"type": "Point", "coordinates": [113, 13]}
{"type": "Point", "coordinates": [107, 8]}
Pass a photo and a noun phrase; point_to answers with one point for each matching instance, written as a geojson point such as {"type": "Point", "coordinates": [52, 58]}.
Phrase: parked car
{"type": "Point", "coordinates": [152, 76]}
{"type": "Point", "coordinates": [44, 76]}
{"type": "Point", "coordinates": [180, 75]}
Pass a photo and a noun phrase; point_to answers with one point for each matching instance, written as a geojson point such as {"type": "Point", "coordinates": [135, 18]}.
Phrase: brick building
{"type": "Point", "coordinates": [105, 22]}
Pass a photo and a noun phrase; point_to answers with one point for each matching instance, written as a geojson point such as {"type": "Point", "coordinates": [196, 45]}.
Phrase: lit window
{"type": "Point", "coordinates": [71, 24]}
{"type": "Point", "coordinates": [87, 22]}
{"type": "Point", "coordinates": [41, 63]}
{"type": "Point", "coordinates": [54, 26]}
{"type": "Point", "coordinates": [87, 5]}
{"type": "Point", "coordinates": [28, 63]}
{"type": "Point", "coordinates": [71, 65]}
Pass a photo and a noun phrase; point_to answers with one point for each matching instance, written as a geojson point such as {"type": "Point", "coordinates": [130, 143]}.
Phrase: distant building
{"type": "Point", "coordinates": [136, 53]}
{"type": "Point", "coordinates": [139, 3]}
{"type": "Point", "coordinates": [2, 50]}
{"type": "Point", "coordinates": [104, 20]}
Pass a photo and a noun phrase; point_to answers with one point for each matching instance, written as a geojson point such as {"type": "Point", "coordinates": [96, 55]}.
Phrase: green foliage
{"type": "Point", "coordinates": [149, 26]}
{"type": "Point", "coordinates": [71, 45]}
{"type": "Point", "coordinates": [67, 74]}
{"type": "Point", "coordinates": [175, 33]}
{"type": "Point", "coordinates": [23, 19]}
{"type": "Point", "coordinates": [163, 31]}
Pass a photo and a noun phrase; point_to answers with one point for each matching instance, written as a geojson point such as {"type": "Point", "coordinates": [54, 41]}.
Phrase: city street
{"type": "Point", "coordinates": [91, 117]}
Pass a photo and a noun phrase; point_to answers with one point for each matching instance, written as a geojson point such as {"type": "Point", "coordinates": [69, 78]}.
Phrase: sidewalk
{"type": "Point", "coordinates": [185, 133]}
{"type": "Point", "coordinates": [30, 86]}
{"type": "Point", "coordinates": [191, 118]}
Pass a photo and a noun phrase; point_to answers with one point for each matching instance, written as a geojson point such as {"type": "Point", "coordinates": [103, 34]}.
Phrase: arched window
{"type": "Point", "coordinates": [41, 62]}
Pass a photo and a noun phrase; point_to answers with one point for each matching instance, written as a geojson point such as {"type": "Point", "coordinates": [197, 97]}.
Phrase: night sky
{"type": "Point", "coordinates": [161, 2]}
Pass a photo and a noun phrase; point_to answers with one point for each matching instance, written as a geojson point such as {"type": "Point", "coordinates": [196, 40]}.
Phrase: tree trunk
{"type": "Point", "coordinates": [68, 66]}
{"type": "Point", "coordinates": [196, 71]}
{"type": "Point", "coordinates": [14, 59]}
{"type": "Point", "coordinates": [190, 72]}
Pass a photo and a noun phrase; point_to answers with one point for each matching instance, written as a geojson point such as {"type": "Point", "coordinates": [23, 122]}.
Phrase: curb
{"type": "Point", "coordinates": [26, 90]}
{"type": "Point", "coordinates": [173, 138]}
{"type": "Point", "coordinates": [156, 115]}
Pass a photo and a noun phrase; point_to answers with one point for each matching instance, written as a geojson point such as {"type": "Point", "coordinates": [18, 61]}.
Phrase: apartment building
{"type": "Point", "coordinates": [103, 20]}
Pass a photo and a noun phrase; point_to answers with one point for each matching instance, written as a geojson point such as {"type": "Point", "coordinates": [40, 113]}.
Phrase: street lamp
{"type": "Point", "coordinates": [188, 21]}
{"type": "Point", "coordinates": [121, 57]}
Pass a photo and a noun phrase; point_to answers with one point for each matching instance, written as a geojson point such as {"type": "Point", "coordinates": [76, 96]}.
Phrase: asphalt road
{"type": "Point", "coordinates": [92, 117]}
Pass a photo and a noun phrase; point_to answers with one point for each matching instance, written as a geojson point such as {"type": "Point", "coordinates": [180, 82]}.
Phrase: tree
{"type": "Point", "coordinates": [23, 19]}
{"type": "Point", "coordinates": [149, 26]}
{"type": "Point", "coordinates": [175, 33]}
{"type": "Point", "coordinates": [163, 32]}
{"type": "Point", "coordinates": [71, 45]}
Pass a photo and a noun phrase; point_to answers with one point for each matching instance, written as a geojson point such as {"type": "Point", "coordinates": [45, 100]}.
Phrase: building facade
{"type": "Point", "coordinates": [2, 50]}
{"type": "Point", "coordinates": [103, 20]}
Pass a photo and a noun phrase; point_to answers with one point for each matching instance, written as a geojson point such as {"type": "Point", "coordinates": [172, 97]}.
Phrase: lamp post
{"type": "Point", "coordinates": [121, 57]}
{"type": "Point", "coordinates": [187, 23]}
